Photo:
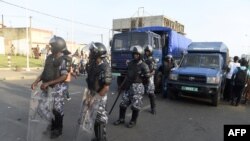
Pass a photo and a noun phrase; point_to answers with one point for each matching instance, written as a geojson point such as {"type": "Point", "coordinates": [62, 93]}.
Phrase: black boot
{"type": "Point", "coordinates": [152, 103]}
{"type": "Point", "coordinates": [132, 122]}
{"type": "Point", "coordinates": [55, 134]}
{"type": "Point", "coordinates": [100, 132]}
{"type": "Point", "coordinates": [57, 125]}
{"type": "Point", "coordinates": [121, 119]}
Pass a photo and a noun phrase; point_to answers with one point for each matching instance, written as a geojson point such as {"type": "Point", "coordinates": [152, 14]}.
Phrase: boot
{"type": "Point", "coordinates": [100, 132]}
{"type": "Point", "coordinates": [55, 134]}
{"type": "Point", "coordinates": [152, 103]}
{"type": "Point", "coordinates": [132, 122]}
{"type": "Point", "coordinates": [153, 111]}
{"type": "Point", "coordinates": [121, 119]}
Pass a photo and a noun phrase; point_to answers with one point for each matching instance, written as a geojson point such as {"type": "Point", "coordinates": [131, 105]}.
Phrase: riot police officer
{"type": "Point", "coordinates": [150, 87]}
{"type": "Point", "coordinates": [137, 72]}
{"type": "Point", "coordinates": [56, 69]}
{"type": "Point", "coordinates": [169, 64]}
{"type": "Point", "coordinates": [99, 79]}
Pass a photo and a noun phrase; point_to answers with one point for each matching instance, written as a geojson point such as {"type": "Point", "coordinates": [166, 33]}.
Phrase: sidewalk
{"type": "Point", "coordinates": [9, 74]}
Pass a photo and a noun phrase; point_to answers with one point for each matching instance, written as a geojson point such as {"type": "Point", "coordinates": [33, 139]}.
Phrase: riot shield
{"type": "Point", "coordinates": [88, 112]}
{"type": "Point", "coordinates": [40, 115]}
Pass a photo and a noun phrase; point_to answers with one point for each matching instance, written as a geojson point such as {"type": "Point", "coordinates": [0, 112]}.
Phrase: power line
{"type": "Point", "coordinates": [56, 17]}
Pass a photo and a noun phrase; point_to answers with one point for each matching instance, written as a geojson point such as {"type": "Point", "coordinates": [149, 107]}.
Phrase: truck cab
{"type": "Point", "coordinates": [201, 73]}
{"type": "Point", "coordinates": [121, 54]}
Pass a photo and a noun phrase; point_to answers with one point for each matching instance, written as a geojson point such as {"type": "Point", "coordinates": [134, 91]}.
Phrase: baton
{"type": "Point", "coordinates": [119, 93]}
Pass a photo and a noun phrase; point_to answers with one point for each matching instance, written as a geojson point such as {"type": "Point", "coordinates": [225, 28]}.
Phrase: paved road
{"type": "Point", "coordinates": [182, 120]}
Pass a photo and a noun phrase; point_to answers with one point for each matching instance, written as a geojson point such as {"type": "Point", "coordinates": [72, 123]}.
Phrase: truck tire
{"type": "Point", "coordinates": [216, 98]}
{"type": "Point", "coordinates": [171, 94]}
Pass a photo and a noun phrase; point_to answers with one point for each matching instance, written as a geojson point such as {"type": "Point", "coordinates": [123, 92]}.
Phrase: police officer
{"type": "Point", "coordinates": [56, 68]}
{"type": "Point", "coordinates": [168, 65]}
{"type": "Point", "coordinates": [150, 87]}
{"type": "Point", "coordinates": [98, 80]}
{"type": "Point", "coordinates": [134, 89]}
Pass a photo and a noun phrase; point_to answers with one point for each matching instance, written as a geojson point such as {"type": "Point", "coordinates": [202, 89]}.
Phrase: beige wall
{"type": "Point", "coordinates": [17, 37]}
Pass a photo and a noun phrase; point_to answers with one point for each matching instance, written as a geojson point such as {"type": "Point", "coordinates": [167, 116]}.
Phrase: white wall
{"type": "Point", "coordinates": [2, 48]}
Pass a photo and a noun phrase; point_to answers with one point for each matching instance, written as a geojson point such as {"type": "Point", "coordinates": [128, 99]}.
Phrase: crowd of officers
{"type": "Point", "coordinates": [140, 80]}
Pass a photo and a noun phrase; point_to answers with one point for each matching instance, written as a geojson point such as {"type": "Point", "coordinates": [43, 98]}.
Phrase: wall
{"type": "Point", "coordinates": [2, 48]}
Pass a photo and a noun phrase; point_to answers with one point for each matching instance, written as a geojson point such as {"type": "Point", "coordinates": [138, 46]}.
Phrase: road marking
{"type": "Point", "coordinates": [75, 93]}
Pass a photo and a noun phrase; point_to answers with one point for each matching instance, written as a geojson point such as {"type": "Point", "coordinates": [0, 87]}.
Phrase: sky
{"type": "Point", "coordinates": [91, 20]}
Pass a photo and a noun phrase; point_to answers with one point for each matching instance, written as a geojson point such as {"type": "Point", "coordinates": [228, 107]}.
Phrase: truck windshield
{"type": "Point", "coordinates": [124, 41]}
{"type": "Point", "coordinates": [201, 60]}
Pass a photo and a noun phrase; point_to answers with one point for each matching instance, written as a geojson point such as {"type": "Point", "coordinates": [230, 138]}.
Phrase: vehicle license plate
{"type": "Point", "coordinates": [192, 89]}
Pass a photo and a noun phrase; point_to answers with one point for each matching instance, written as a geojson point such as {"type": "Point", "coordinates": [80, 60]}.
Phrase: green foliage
{"type": "Point", "coordinates": [20, 61]}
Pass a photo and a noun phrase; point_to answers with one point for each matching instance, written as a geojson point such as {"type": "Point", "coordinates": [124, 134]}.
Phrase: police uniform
{"type": "Point", "coordinates": [56, 65]}
{"type": "Point", "coordinates": [150, 87]}
{"type": "Point", "coordinates": [99, 75]}
{"type": "Point", "coordinates": [138, 72]}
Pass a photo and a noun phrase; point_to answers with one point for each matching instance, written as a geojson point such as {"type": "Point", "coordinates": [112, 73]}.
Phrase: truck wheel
{"type": "Point", "coordinates": [119, 80]}
{"type": "Point", "coordinates": [171, 94]}
{"type": "Point", "coordinates": [216, 98]}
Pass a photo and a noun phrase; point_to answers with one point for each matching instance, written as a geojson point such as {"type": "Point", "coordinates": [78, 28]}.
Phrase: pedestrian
{"type": "Point", "coordinates": [54, 74]}
{"type": "Point", "coordinates": [150, 87]}
{"type": "Point", "coordinates": [75, 63]}
{"type": "Point", "coordinates": [12, 48]}
{"type": "Point", "coordinates": [228, 87]}
{"type": "Point", "coordinates": [137, 72]}
{"type": "Point", "coordinates": [239, 78]}
{"type": "Point", "coordinates": [98, 80]}
{"type": "Point", "coordinates": [246, 92]}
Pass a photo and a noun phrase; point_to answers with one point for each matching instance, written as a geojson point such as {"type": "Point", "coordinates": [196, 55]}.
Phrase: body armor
{"type": "Point", "coordinates": [51, 69]}
{"type": "Point", "coordinates": [99, 76]}
{"type": "Point", "coordinates": [150, 61]}
{"type": "Point", "coordinates": [137, 71]}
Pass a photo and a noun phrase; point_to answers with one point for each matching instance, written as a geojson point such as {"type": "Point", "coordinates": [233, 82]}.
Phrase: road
{"type": "Point", "coordinates": [182, 120]}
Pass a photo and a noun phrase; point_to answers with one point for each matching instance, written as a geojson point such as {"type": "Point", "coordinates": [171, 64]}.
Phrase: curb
{"type": "Point", "coordinates": [33, 68]}
{"type": "Point", "coordinates": [18, 78]}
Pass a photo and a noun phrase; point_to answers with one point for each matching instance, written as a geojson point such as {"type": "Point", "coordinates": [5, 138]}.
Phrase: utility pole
{"type": "Point", "coordinates": [102, 38]}
{"type": "Point", "coordinates": [2, 22]}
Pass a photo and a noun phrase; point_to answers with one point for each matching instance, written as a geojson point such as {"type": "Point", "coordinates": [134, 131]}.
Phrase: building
{"type": "Point", "coordinates": [37, 40]}
{"type": "Point", "coordinates": [127, 24]}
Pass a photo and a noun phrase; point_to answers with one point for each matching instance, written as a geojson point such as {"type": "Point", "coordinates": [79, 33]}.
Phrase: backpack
{"type": "Point", "coordinates": [240, 77]}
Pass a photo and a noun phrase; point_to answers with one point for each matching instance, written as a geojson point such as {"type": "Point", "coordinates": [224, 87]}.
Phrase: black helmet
{"type": "Point", "coordinates": [57, 44]}
{"type": "Point", "coordinates": [148, 48]}
{"type": "Point", "coordinates": [97, 50]}
{"type": "Point", "coordinates": [136, 49]}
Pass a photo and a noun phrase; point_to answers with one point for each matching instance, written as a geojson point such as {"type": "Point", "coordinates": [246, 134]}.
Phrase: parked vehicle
{"type": "Point", "coordinates": [202, 72]}
{"type": "Point", "coordinates": [164, 40]}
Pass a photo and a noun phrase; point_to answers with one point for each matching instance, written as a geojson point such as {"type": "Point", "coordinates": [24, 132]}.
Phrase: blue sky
{"type": "Point", "coordinates": [210, 20]}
